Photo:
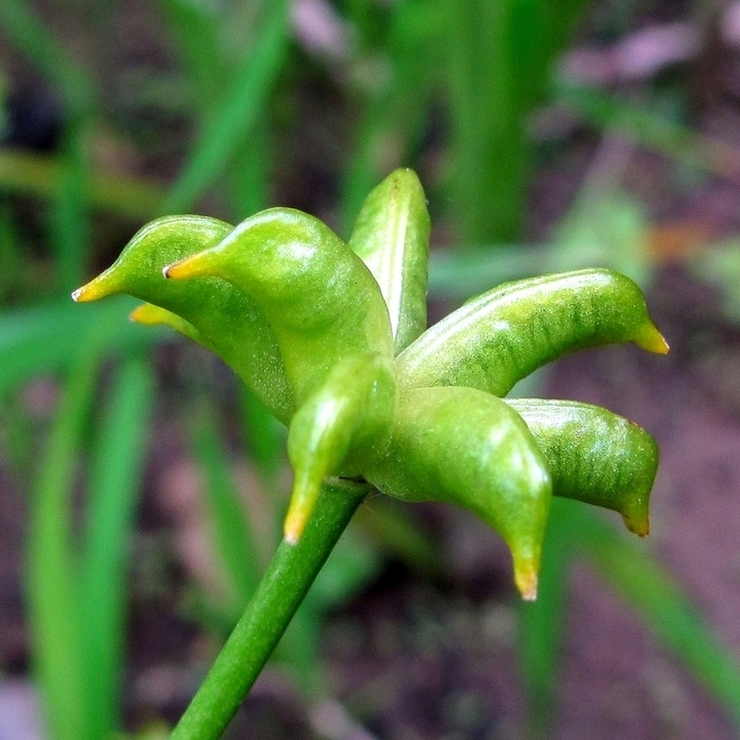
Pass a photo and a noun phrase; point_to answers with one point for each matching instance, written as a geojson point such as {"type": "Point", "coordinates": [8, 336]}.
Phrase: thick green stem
{"type": "Point", "coordinates": [291, 573]}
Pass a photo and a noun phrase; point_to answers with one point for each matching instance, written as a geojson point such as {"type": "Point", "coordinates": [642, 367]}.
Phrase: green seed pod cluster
{"type": "Point", "coordinates": [332, 337]}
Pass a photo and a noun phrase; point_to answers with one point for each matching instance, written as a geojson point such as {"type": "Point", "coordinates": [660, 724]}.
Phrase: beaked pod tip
{"type": "Point", "coordinates": [97, 288]}
{"type": "Point", "coordinates": [650, 339]}
{"type": "Point", "coordinates": [146, 314]}
{"type": "Point", "coordinates": [184, 269]}
{"type": "Point", "coordinates": [638, 524]}
{"type": "Point", "coordinates": [293, 528]}
{"type": "Point", "coordinates": [295, 521]}
{"type": "Point", "coordinates": [525, 578]}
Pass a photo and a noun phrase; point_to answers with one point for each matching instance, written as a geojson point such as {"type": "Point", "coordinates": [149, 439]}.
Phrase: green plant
{"type": "Point", "coordinates": [334, 344]}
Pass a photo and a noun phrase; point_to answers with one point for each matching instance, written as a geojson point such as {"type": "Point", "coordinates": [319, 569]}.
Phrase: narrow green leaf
{"type": "Point", "coordinates": [541, 624]}
{"type": "Point", "coordinates": [117, 462]}
{"type": "Point", "coordinates": [233, 539]}
{"type": "Point", "coordinates": [54, 596]}
{"type": "Point", "coordinates": [235, 116]}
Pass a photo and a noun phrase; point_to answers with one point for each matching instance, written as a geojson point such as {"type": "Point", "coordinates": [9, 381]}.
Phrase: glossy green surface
{"type": "Point", "coordinates": [495, 340]}
{"type": "Point", "coordinates": [314, 325]}
{"type": "Point", "coordinates": [391, 236]}
{"type": "Point", "coordinates": [227, 320]}
{"type": "Point", "coordinates": [321, 301]}
{"type": "Point", "coordinates": [339, 427]}
{"type": "Point", "coordinates": [595, 456]}
{"type": "Point", "coordinates": [469, 448]}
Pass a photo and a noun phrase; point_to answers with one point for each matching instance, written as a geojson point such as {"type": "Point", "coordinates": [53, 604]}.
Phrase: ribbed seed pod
{"type": "Point", "coordinates": [234, 327]}
{"type": "Point", "coordinates": [391, 235]}
{"type": "Point", "coordinates": [338, 429]}
{"type": "Point", "coordinates": [463, 446]}
{"type": "Point", "coordinates": [495, 340]}
{"type": "Point", "coordinates": [317, 295]}
{"type": "Point", "coordinates": [595, 456]}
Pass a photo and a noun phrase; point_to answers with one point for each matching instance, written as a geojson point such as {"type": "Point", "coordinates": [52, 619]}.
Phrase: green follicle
{"type": "Point", "coordinates": [342, 424]}
{"type": "Point", "coordinates": [595, 456]}
{"type": "Point", "coordinates": [466, 447]}
{"type": "Point", "coordinates": [319, 298]}
{"type": "Point", "coordinates": [232, 325]}
{"type": "Point", "coordinates": [391, 235]}
{"type": "Point", "coordinates": [500, 337]}
{"type": "Point", "coordinates": [312, 325]}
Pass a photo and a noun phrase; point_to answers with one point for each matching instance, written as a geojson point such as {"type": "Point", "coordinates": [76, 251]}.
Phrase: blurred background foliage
{"type": "Point", "coordinates": [142, 490]}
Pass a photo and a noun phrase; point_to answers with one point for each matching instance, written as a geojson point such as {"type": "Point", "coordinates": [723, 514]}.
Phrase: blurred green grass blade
{"type": "Point", "coordinates": [499, 60]}
{"type": "Point", "coordinates": [70, 228]}
{"type": "Point", "coordinates": [606, 229]}
{"type": "Point", "coordinates": [198, 31]}
{"type": "Point", "coordinates": [395, 532]}
{"type": "Point", "coordinates": [117, 461]}
{"type": "Point", "coordinates": [55, 606]}
{"type": "Point", "coordinates": [234, 542]}
{"type": "Point", "coordinates": [353, 565]}
{"type": "Point", "coordinates": [541, 625]}
{"type": "Point", "coordinates": [491, 154]}
{"type": "Point", "coordinates": [396, 108]}
{"type": "Point", "coordinates": [29, 173]}
{"type": "Point", "coordinates": [651, 128]}
{"type": "Point", "coordinates": [249, 182]}
{"type": "Point", "coordinates": [233, 118]}
{"type": "Point", "coordinates": [27, 32]}
{"type": "Point", "coordinates": [464, 272]}
{"type": "Point", "coordinates": [659, 600]}
{"type": "Point", "coordinates": [46, 339]}
{"type": "Point", "coordinates": [563, 22]}
{"type": "Point", "coordinates": [299, 651]}
{"type": "Point", "coordinates": [719, 265]}
{"type": "Point", "coordinates": [195, 27]}
{"type": "Point", "coordinates": [11, 275]}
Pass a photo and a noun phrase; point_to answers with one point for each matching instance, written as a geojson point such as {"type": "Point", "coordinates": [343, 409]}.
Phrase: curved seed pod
{"type": "Point", "coordinates": [466, 447]}
{"type": "Point", "coordinates": [318, 296]}
{"type": "Point", "coordinates": [391, 235]}
{"type": "Point", "coordinates": [595, 456]}
{"type": "Point", "coordinates": [495, 340]}
{"type": "Point", "coordinates": [345, 421]}
{"type": "Point", "coordinates": [236, 329]}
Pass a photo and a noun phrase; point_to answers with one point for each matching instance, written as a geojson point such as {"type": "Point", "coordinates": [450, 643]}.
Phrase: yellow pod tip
{"type": "Point", "coordinates": [652, 340]}
{"type": "Point", "coordinates": [637, 524]}
{"type": "Point", "coordinates": [294, 525]}
{"type": "Point", "coordinates": [186, 268]}
{"type": "Point", "coordinates": [92, 291]}
{"type": "Point", "coordinates": [525, 578]}
{"type": "Point", "coordinates": [146, 314]}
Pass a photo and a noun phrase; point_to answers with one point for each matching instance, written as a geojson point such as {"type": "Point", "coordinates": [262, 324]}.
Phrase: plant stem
{"type": "Point", "coordinates": [286, 582]}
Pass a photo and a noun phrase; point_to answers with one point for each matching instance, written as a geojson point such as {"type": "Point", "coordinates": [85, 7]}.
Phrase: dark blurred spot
{"type": "Point", "coordinates": [33, 120]}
